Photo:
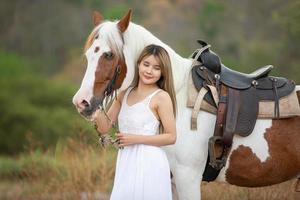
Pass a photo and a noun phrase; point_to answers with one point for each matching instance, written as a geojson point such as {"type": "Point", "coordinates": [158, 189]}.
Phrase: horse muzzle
{"type": "Point", "coordinates": [87, 108]}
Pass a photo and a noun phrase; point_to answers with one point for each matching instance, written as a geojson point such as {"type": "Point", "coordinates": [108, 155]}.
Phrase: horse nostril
{"type": "Point", "coordinates": [85, 103]}
{"type": "Point", "coordinates": [81, 105]}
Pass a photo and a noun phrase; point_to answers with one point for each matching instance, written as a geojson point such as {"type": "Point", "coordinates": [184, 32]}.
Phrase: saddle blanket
{"type": "Point", "coordinates": [288, 106]}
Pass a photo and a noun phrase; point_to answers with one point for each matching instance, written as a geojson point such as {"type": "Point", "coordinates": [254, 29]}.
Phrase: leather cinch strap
{"type": "Point", "coordinates": [196, 108]}
{"type": "Point", "coordinates": [214, 93]}
{"type": "Point", "coordinates": [198, 102]}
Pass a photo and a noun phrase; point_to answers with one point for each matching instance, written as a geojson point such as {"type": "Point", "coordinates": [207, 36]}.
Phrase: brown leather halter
{"type": "Point", "coordinates": [110, 91]}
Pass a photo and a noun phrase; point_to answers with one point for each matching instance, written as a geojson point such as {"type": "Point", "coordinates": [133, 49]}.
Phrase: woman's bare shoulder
{"type": "Point", "coordinates": [163, 98]}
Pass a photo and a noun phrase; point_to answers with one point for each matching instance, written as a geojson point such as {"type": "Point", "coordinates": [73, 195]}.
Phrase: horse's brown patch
{"type": "Point", "coordinates": [283, 138]}
{"type": "Point", "coordinates": [105, 72]}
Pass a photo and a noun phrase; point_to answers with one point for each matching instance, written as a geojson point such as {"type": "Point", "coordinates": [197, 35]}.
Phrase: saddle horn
{"type": "Point", "coordinates": [202, 43]}
{"type": "Point", "coordinates": [209, 58]}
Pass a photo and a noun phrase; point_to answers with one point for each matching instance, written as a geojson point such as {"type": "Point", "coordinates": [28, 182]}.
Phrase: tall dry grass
{"type": "Point", "coordinates": [84, 168]}
{"type": "Point", "coordinates": [73, 170]}
{"type": "Point", "coordinates": [222, 191]}
{"type": "Point", "coordinates": [77, 170]}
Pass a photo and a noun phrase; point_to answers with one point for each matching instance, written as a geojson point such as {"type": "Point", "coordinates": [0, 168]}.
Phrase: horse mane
{"type": "Point", "coordinates": [137, 37]}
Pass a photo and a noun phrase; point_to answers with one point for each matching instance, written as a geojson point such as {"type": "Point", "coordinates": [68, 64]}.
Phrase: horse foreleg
{"type": "Point", "coordinates": [187, 182]}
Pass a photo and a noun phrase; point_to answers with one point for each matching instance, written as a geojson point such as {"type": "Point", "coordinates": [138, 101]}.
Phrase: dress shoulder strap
{"type": "Point", "coordinates": [126, 94]}
{"type": "Point", "coordinates": [152, 95]}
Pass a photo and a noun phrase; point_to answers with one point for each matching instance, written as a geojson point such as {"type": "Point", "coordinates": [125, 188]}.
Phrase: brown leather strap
{"type": "Point", "coordinates": [221, 112]}
{"type": "Point", "coordinates": [276, 99]}
{"type": "Point", "coordinates": [233, 106]}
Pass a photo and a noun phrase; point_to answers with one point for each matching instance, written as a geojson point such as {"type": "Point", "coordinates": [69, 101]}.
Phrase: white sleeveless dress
{"type": "Point", "coordinates": [142, 171]}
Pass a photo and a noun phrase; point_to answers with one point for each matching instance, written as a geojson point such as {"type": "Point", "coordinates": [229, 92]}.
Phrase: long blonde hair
{"type": "Point", "coordinates": [166, 80]}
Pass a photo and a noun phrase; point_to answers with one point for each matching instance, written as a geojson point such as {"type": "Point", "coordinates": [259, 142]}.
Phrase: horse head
{"type": "Point", "coordinates": [106, 67]}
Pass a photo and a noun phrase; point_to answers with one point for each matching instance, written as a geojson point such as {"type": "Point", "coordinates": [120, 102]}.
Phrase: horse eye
{"type": "Point", "coordinates": [96, 49]}
{"type": "Point", "coordinates": [109, 55]}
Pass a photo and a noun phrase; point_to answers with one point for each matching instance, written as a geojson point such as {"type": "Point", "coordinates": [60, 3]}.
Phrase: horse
{"type": "Point", "coordinates": [269, 155]}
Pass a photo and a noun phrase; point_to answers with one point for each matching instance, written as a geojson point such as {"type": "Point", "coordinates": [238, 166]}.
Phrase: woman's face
{"type": "Point", "coordinates": [149, 70]}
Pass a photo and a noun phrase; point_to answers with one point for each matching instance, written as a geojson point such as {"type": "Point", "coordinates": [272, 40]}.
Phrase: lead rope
{"type": "Point", "coordinates": [109, 138]}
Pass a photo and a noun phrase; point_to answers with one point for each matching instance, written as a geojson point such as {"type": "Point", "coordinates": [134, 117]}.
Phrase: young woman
{"type": "Point", "coordinates": [146, 117]}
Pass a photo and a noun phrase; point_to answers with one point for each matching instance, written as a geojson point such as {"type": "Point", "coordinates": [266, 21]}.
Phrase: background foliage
{"type": "Point", "coordinates": [41, 58]}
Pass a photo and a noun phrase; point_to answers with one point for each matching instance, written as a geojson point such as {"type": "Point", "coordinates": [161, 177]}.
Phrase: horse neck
{"type": "Point", "coordinates": [136, 38]}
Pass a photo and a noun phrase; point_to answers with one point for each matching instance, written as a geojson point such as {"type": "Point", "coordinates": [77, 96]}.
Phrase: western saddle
{"type": "Point", "coordinates": [237, 99]}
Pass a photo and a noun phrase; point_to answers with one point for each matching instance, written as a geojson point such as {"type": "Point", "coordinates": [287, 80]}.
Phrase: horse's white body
{"type": "Point", "coordinates": [188, 156]}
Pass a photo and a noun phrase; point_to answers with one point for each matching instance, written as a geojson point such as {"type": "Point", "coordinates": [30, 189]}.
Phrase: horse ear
{"type": "Point", "coordinates": [97, 18]}
{"type": "Point", "coordinates": [124, 22]}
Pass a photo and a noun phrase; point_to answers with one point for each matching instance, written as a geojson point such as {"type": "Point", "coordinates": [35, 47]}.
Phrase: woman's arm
{"type": "Point", "coordinates": [102, 122]}
{"type": "Point", "coordinates": [167, 118]}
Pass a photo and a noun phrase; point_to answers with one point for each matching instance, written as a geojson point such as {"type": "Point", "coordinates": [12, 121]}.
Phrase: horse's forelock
{"type": "Point", "coordinates": [90, 39]}
{"type": "Point", "coordinates": [114, 37]}
{"type": "Point", "coordinates": [111, 35]}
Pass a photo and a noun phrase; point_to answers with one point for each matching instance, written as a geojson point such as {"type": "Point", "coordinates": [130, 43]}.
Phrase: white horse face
{"type": "Point", "coordinates": [106, 68]}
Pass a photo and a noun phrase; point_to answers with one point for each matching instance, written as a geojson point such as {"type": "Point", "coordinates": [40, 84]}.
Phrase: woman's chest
{"type": "Point", "coordinates": [137, 117]}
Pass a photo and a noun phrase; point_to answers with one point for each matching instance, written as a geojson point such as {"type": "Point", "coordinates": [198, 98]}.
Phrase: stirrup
{"type": "Point", "coordinates": [216, 163]}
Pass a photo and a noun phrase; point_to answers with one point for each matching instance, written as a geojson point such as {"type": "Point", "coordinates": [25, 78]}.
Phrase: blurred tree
{"type": "Point", "coordinates": [45, 30]}
{"type": "Point", "coordinates": [249, 34]}
{"type": "Point", "coordinates": [32, 105]}
{"type": "Point", "coordinates": [51, 33]}
{"type": "Point", "coordinates": [288, 18]}
{"type": "Point", "coordinates": [210, 15]}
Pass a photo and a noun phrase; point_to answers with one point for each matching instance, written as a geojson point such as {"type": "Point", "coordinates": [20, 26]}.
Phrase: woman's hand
{"type": "Point", "coordinates": [95, 116]}
{"type": "Point", "coordinates": [127, 139]}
